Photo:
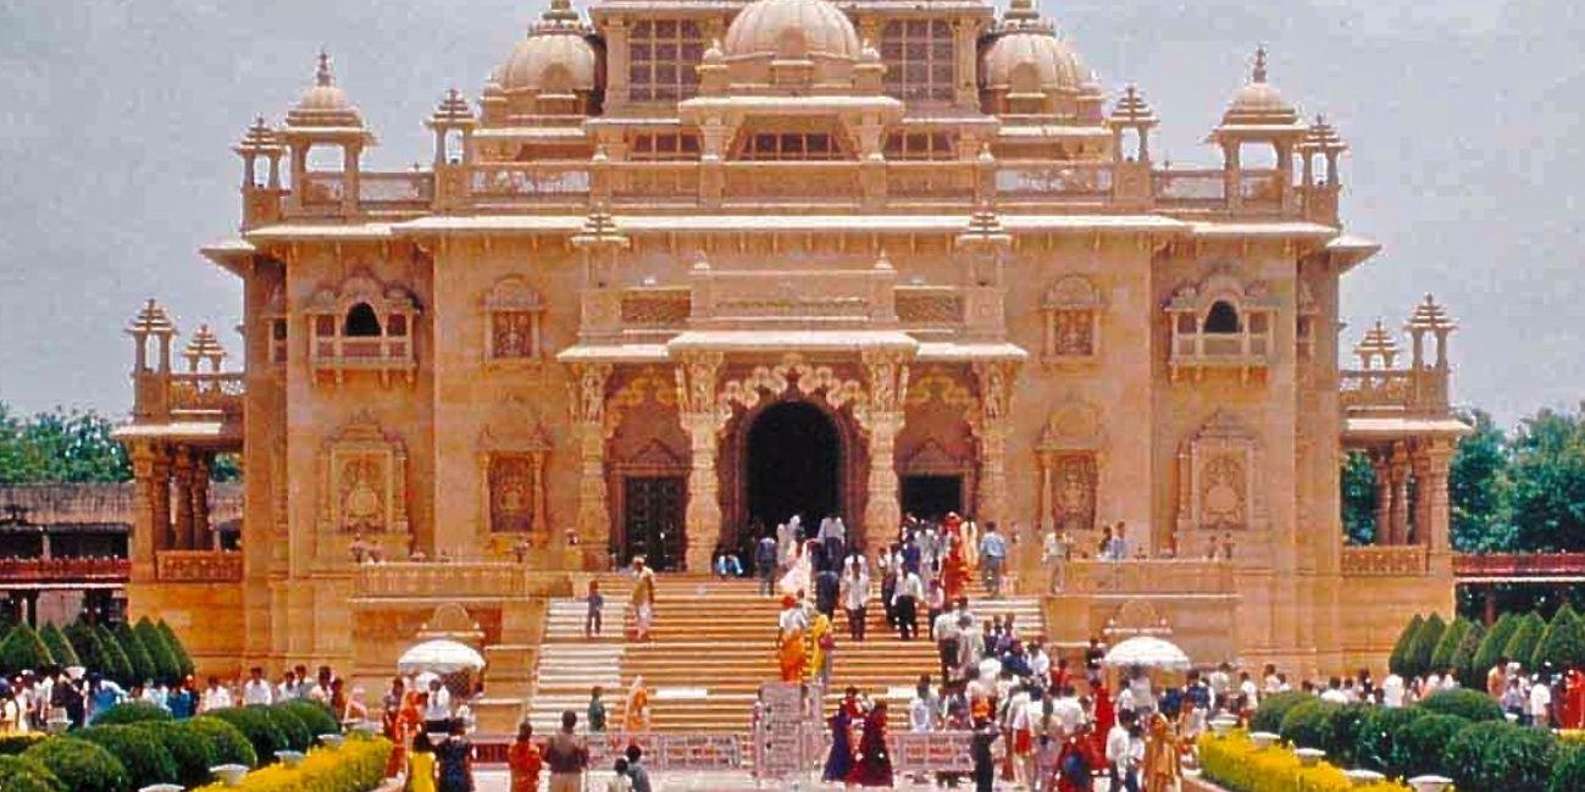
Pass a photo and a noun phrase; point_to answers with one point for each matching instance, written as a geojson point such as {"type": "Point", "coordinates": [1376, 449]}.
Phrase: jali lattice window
{"type": "Point", "coordinates": [662, 56]}
{"type": "Point", "coordinates": [919, 60]}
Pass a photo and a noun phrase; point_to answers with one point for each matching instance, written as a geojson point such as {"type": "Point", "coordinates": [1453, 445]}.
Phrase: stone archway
{"type": "Point", "coordinates": [792, 464]}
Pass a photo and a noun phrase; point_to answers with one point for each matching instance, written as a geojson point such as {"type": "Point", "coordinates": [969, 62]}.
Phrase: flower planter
{"type": "Point", "coordinates": [229, 774]}
{"type": "Point", "coordinates": [1263, 739]}
{"type": "Point", "coordinates": [1362, 778]}
{"type": "Point", "coordinates": [331, 740]}
{"type": "Point", "coordinates": [1430, 783]}
{"type": "Point", "coordinates": [289, 758]}
{"type": "Point", "coordinates": [1222, 726]}
{"type": "Point", "coordinates": [1310, 757]}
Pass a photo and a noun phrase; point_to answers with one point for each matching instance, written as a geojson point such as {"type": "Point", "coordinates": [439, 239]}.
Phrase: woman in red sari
{"type": "Point", "coordinates": [873, 765]}
{"type": "Point", "coordinates": [1105, 716]}
{"type": "Point", "coordinates": [954, 570]}
{"type": "Point", "coordinates": [401, 728]}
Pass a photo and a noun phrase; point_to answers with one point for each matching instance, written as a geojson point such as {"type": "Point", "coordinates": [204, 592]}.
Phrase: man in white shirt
{"type": "Point", "coordinates": [216, 697]}
{"type": "Point", "coordinates": [1334, 692]}
{"type": "Point", "coordinates": [256, 690]}
{"type": "Point", "coordinates": [287, 690]}
{"type": "Point", "coordinates": [1540, 708]}
{"type": "Point", "coordinates": [1039, 665]}
{"type": "Point", "coordinates": [1392, 691]}
{"type": "Point", "coordinates": [437, 711]}
{"type": "Point", "coordinates": [1246, 686]}
{"type": "Point", "coordinates": [905, 601]}
{"type": "Point", "coordinates": [1119, 750]}
{"type": "Point", "coordinates": [1068, 711]}
{"type": "Point", "coordinates": [855, 597]}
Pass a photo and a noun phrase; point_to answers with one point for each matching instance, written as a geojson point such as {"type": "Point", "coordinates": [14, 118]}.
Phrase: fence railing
{"type": "Point", "coordinates": [221, 392]}
{"type": "Point", "coordinates": [1518, 564]}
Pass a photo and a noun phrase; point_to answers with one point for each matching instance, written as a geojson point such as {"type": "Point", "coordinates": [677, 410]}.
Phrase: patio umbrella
{"type": "Point", "coordinates": [1147, 652]}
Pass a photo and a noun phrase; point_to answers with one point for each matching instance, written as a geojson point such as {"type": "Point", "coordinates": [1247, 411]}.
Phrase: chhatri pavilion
{"type": "Point", "coordinates": [686, 268]}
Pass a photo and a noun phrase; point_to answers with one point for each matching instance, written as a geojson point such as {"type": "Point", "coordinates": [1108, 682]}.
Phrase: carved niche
{"type": "Point", "coordinates": [1072, 311]}
{"type": "Point", "coordinates": [512, 462]}
{"type": "Point", "coordinates": [1069, 457]}
{"type": "Point", "coordinates": [363, 480]}
{"type": "Point", "coordinates": [513, 313]}
{"type": "Point", "coordinates": [1219, 487]}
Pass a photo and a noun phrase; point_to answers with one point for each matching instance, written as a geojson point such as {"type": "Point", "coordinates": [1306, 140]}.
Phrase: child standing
{"type": "Point", "coordinates": [592, 622]}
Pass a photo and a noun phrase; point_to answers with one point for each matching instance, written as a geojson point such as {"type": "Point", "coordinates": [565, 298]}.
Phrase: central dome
{"type": "Point", "coordinates": [791, 28]}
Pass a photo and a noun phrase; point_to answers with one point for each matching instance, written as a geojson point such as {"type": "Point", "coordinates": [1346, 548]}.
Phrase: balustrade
{"type": "Point", "coordinates": [925, 179]}
{"type": "Point", "coordinates": [198, 566]}
{"type": "Point", "coordinates": [1191, 187]}
{"type": "Point", "coordinates": [454, 579]}
{"type": "Point", "coordinates": [1393, 390]}
{"type": "Point", "coordinates": [413, 190]}
{"type": "Point", "coordinates": [221, 392]}
{"type": "Point", "coordinates": [1148, 576]}
{"type": "Point", "coordinates": [1054, 181]}
{"type": "Point", "coordinates": [63, 570]}
{"type": "Point", "coordinates": [1384, 560]}
{"type": "Point", "coordinates": [767, 181]}
{"type": "Point", "coordinates": [529, 181]}
{"type": "Point", "coordinates": [1519, 564]}
{"type": "Point", "coordinates": [322, 189]}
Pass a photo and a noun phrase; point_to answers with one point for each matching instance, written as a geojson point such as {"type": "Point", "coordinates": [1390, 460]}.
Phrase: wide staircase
{"type": "Point", "coordinates": [713, 645]}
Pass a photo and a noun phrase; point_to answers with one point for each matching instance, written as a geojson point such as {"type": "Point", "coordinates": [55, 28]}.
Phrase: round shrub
{"type": "Point", "coordinates": [229, 744]}
{"type": "Point", "coordinates": [1342, 732]}
{"type": "Point", "coordinates": [81, 766]}
{"type": "Point", "coordinates": [144, 756]}
{"type": "Point", "coordinates": [131, 712]}
{"type": "Point", "coordinates": [1268, 716]}
{"type": "Point", "coordinates": [190, 749]}
{"type": "Point", "coordinates": [1497, 755]}
{"type": "Point", "coordinates": [316, 716]}
{"type": "Point", "coordinates": [298, 737]}
{"type": "Point", "coordinates": [1305, 725]}
{"type": "Point", "coordinates": [261, 731]}
{"type": "Point", "coordinates": [13, 744]}
{"type": "Point", "coordinates": [1568, 775]}
{"type": "Point", "coordinates": [25, 775]}
{"type": "Point", "coordinates": [1421, 745]}
{"type": "Point", "coordinates": [1467, 704]}
{"type": "Point", "coordinates": [1379, 743]}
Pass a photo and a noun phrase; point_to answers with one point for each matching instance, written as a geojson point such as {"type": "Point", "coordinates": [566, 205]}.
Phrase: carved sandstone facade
{"type": "Point", "coordinates": [677, 253]}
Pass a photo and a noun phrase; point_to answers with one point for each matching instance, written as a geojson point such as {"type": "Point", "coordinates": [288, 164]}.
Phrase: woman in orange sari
{"type": "Point", "coordinates": [635, 714]}
{"type": "Point", "coordinates": [954, 571]}
{"type": "Point", "coordinates": [792, 655]}
{"type": "Point", "coordinates": [401, 728]}
{"type": "Point", "coordinates": [523, 758]}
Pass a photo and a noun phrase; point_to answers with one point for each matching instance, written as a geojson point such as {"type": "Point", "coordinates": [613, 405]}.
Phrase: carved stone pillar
{"type": "Point", "coordinates": [1438, 512]}
{"type": "Point", "coordinates": [995, 383]}
{"type": "Point", "coordinates": [1400, 495]}
{"type": "Point", "coordinates": [587, 401]}
{"type": "Point", "coordinates": [1379, 464]}
{"type": "Point", "coordinates": [148, 477]}
{"type": "Point", "coordinates": [1420, 464]}
{"type": "Point", "coordinates": [182, 472]}
{"type": "Point", "coordinates": [199, 531]}
{"type": "Point", "coordinates": [696, 408]}
{"type": "Point", "coordinates": [882, 417]}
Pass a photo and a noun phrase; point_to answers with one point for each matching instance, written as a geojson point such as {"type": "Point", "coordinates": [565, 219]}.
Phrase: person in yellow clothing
{"type": "Point", "coordinates": [822, 644]}
{"type": "Point", "coordinates": [635, 715]}
{"type": "Point", "coordinates": [421, 765]}
{"type": "Point", "coordinates": [1163, 757]}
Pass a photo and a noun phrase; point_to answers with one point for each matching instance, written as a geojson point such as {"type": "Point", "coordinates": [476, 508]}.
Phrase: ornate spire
{"type": "Point", "coordinates": [1259, 75]}
{"type": "Point", "coordinates": [1428, 315]}
{"type": "Point", "coordinates": [322, 74]}
{"type": "Point", "coordinates": [1323, 138]}
{"type": "Point", "coordinates": [1132, 109]}
{"type": "Point", "coordinates": [204, 346]}
{"type": "Point", "coordinates": [151, 320]}
{"type": "Point", "coordinates": [1377, 343]}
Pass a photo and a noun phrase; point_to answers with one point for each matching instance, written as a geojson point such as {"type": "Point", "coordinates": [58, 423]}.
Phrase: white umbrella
{"type": "Point", "coordinates": [440, 656]}
{"type": "Point", "coordinates": [1148, 652]}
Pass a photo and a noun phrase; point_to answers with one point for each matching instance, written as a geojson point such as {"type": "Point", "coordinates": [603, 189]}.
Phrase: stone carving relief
{"type": "Point", "coordinates": [1219, 486]}
{"type": "Point", "coordinates": [513, 314]}
{"type": "Point", "coordinates": [1072, 309]}
{"type": "Point", "coordinates": [363, 480]}
{"type": "Point", "coordinates": [792, 373]}
{"type": "Point", "coordinates": [1069, 457]}
{"type": "Point", "coordinates": [512, 467]}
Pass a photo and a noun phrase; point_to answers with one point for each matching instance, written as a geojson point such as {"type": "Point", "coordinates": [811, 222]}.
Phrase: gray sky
{"type": "Point", "coordinates": [116, 119]}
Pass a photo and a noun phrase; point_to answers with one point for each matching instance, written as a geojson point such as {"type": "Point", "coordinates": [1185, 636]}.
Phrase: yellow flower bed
{"type": "Point", "coordinates": [1237, 764]}
{"type": "Point", "coordinates": [357, 766]}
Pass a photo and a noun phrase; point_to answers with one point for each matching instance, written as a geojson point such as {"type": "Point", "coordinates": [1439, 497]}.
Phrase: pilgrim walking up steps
{"type": "Point", "coordinates": [712, 645]}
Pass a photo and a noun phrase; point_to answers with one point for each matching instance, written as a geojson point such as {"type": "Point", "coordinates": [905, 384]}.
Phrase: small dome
{"type": "Point", "coordinates": [553, 60]}
{"type": "Point", "coordinates": [791, 28]}
{"type": "Point", "coordinates": [1033, 59]}
{"type": "Point", "coordinates": [1258, 101]}
{"type": "Point", "coordinates": [324, 104]}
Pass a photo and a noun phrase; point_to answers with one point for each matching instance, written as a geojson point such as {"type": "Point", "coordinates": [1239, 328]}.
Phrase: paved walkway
{"type": "Point", "coordinates": [497, 781]}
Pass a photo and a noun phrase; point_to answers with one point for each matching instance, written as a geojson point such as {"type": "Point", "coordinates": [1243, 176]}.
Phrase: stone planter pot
{"type": "Point", "coordinates": [289, 758]}
{"type": "Point", "coordinates": [163, 788]}
{"type": "Point", "coordinates": [1263, 739]}
{"type": "Point", "coordinates": [1310, 757]}
{"type": "Point", "coordinates": [1362, 778]}
{"type": "Point", "coordinates": [331, 740]}
{"type": "Point", "coordinates": [1221, 726]}
{"type": "Point", "coordinates": [1430, 783]}
{"type": "Point", "coordinates": [229, 774]}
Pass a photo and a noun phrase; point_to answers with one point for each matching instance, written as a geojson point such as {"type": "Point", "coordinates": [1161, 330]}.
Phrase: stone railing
{"type": "Point", "coordinates": [1152, 576]}
{"type": "Point", "coordinates": [1043, 181]}
{"type": "Point", "coordinates": [414, 190]}
{"type": "Point", "coordinates": [198, 392]}
{"type": "Point", "coordinates": [1393, 390]}
{"type": "Point", "coordinates": [454, 579]}
{"type": "Point", "coordinates": [1384, 561]}
{"type": "Point", "coordinates": [198, 566]}
{"type": "Point", "coordinates": [63, 570]}
{"type": "Point", "coordinates": [1498, 565]}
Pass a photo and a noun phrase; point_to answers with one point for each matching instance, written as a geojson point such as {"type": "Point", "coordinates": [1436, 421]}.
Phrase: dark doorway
{"type": "Point", "coordinates": [794, 460]}
{"type": "Point", "coordinates": [652, 514]}
{"type": "Point", "coordinates": [931, 497]}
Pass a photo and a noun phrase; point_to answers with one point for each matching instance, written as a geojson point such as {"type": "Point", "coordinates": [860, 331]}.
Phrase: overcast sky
{"type": "Point", "coordinates": [116, 119]}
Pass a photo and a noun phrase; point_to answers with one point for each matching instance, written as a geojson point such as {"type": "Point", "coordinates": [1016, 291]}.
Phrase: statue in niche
{"type": "Point", "coordinates": [362, 506]}
{"type": "Point", "coordinates": [513, 335]}
{"type": "Point", "coordinates": [1222, 492]}
{"type": "Point", "coordinates": [1074, 499]}
{"type": "Point", "coordinates": [1074, 334]}
{"type": "Point", "coordinates": [512, 501]}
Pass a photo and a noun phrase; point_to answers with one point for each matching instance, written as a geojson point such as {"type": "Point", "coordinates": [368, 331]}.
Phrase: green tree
{"type": "Point", "coordinates": [1359, 499]}
{"type": "Point", "coordinates": [1447, 644]}
{"type": "Point", "coordinates": [1463, 662]}
{"type": "Point", "coordinates": [22, 650]}
{"type": "Point", "coordinates": [1548, 474]}
{"type": "Point", "coordinates": [184, 661]}
{"type": "Point", "coordinates": [1521, 647]}
{"type": "Point", "coordinates": [1417, 660]}
{"type": "Point", "coordinates": [60, 445]}
{"type": "Point", "coordinates": [143, 668]}
{"type": "Point", "coordinates": [114, 661]}
{"type": "Point", "coordinates": [1563, 644]}
{"type": "Point", "coordinates": [60, 648]}
{"type": "Point", "coordinates": [1478, 489]}
{"type": "Point", "coordinates": [1400, 650]}
{"type": "Point", "coordinates": [1495, 645]}
{"type": "Point", "coordinates": [167, 668]}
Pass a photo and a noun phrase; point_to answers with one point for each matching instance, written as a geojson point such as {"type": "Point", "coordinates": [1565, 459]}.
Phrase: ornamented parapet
{"type": "Point", "coordinates": [221, 393]}
{"type": "Point", "coordinates": [1384, 561]}
{"type": "Point", "coordinates": [198, 566]}
{"type": "Point", "coordinates": [1148, 577]}
{"type": "Point", "coordinates": [452, 580]}
{"type": "Point", "coordinates": [63, 570]}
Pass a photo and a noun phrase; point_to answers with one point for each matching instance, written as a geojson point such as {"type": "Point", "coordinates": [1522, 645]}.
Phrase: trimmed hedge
{"type": "Point", "coordinates": [192, 751]}
{"type": "Point", "coordinates": [22, 650]}
{"type": "Point", "coordinates": [143, 755]}
{"type": "Point", "coordinates": [230, 745]}
{"type": "Point", "coordinates": [166, 667]}
{"type": "Point", "coordinates": [1379, 745]}
{"type": "Point", "coordinates": [25, 775]}
{"type": "Point", "coordinates": [143, 668]}
{"type": "Point", "coordinates": [1526, 637]}
{"type": "Point", "coordinates": [61, 650]}
{"type": "Point", "coordinates": [131, 712]}
{"type": "Point", "coordinates": [261, 731]}
{"type": "Point", "coordinates": [1400, 648]}
{"type": "Point", "coordinates": [314, 715]}
{"type": "Point", "coordinates": [1494, 645]}
{"type": "Point", "coordinates": [1563, 645]}
{"type": "Point", "coordinates": [1269, 714]}
{"type": "Point", "coordinates": [358, 765]}
{"type": "Point", "coordinates": [1417, 660]}
{"type": "Point", "coordinates": [82, 766]}
{"type": "Point", "coordinates": [1306, 724]}
{"type": "Point", "coordinates": [1234, 763]}
{"type": "Point", "coordinates": [1496, 755]}
{"type": "Point", "coordinates": [114, 664]}
{"type": "Point", "coordinates": [13, 744]}
{"type": "Point", "coordinates": [1442, 654]}
{"type": "Point", "coordinates": [1343, 725]}
{"type": "Point", "coordinates": [184, 661]}
{"type": "Point", "coordinates": [1469, 675]}
{"type": "Point", "coordinates": [1424, 741]}
{"type": "Point", "coordinates": [1568, 775]}
{"type": "Point", "coordinates": [298, 737]}
{"type": "Point", "coordinates": [1470, 705]}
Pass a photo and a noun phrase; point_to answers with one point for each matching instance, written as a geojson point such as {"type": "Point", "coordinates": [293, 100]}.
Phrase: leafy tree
{"type": "Point", "coordinates": [1479, 490]}
{"type": "Point", "coordinates": [1495, 644]}
{"type": "Point", "coordinates": [1442, 654]}
{"type": "Point", "coordinates": [1521, 647]}
{"type": "Point", "coordinates": [1548, 474]}
{"type": "Point", "coordinates": [1359, 498]}
{"type": "Point", "coordinates": [60, 445]}
{"type": "Point", "coordinates": [142, 664]}
{"type": "Point", "coordinates": [1417, 659]}
{"type": "Point", "coordinates": [1563, 644]}
{"type": "Point", "coordinates": [184, 661]}
{"type": "Point", "coordinates": [1463, 662]}
{"type": "Point", "coordinates": [21, 650]}
{"type": "Point", "coordinates": [60, 648]}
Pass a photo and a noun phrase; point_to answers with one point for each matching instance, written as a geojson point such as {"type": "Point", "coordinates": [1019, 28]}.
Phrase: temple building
{"type": "Point", "coordinates": [685, 268]}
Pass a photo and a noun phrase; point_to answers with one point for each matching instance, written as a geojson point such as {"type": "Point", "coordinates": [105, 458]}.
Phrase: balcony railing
{"type": "Point", "coordinates": [1191, 187]}
{"type": "Point", "coordinates": [198, 566]}
{"type": "Point", "coordinates": [1384, 560]}
{"type": "Point", "coordinates": [200, 392]}
{"type": "Point", "coordinates": [1498, 565]}
{"type": "Point", "coordinates": [414, 190]}
{"type": "Point", "coordinates": [1148, 576]}
{"type": "Point", "coordinates": [455, 579]}
{"type": "Point", "coordinates": [1054, 181]}
{"type": "Point", "coordinates": [63, 570]}
{"type": "Point", "coordinates": [1244, 351]}
{"type": "Point", "coordinates": [1393, 390]}
{"type": "Point", "coordinates": [529, 181]}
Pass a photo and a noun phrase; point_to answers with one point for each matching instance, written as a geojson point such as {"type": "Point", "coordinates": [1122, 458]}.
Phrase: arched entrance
{"type": "Point", "coordinates": [794, 464]}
